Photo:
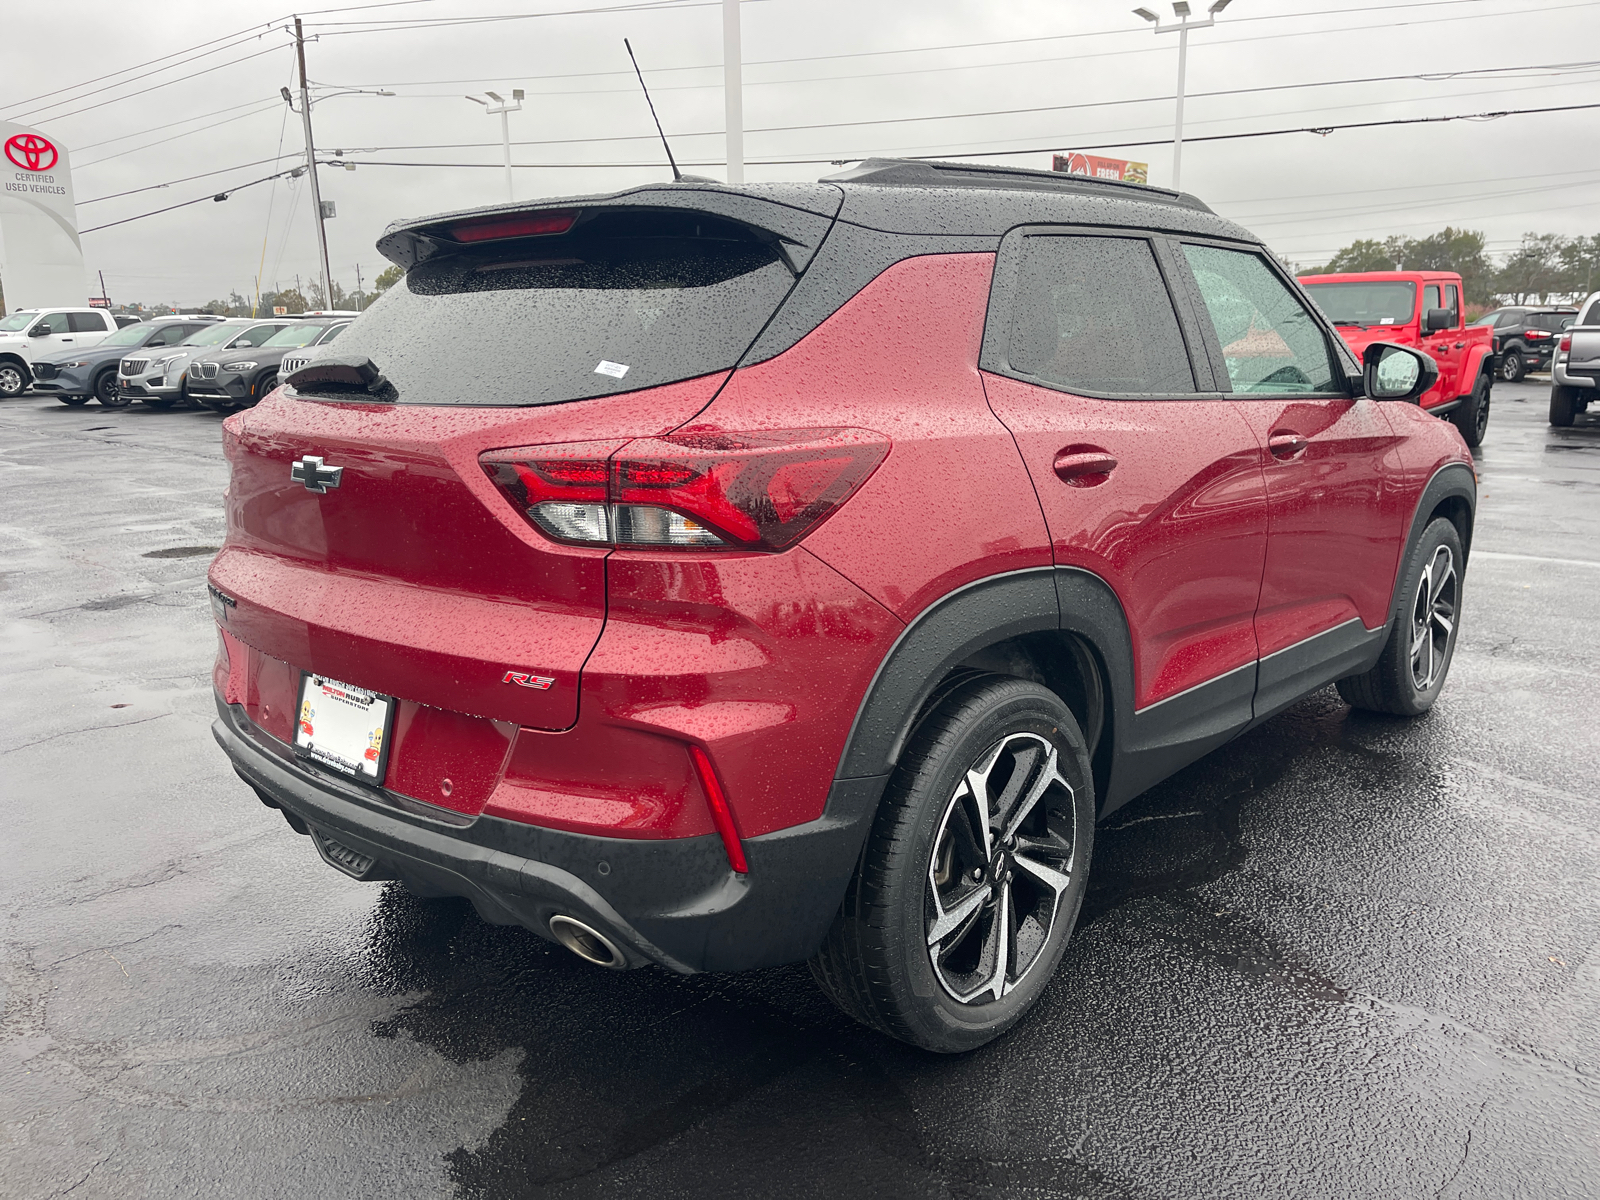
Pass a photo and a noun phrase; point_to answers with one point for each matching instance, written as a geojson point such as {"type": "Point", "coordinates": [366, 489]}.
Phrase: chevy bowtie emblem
{"type": "Point", "coordinates": [311, 472]}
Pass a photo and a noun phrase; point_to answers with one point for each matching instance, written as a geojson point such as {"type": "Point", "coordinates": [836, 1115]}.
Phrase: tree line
{"type": "Point", "coordinates": [1545, 267]}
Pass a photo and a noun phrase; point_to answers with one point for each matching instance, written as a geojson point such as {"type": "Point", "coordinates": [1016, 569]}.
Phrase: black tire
{"type": "Point", "coordinates": [1563, 406]}
{"type": "Point", "coordinates": [107, 392]}
{"type": "Point", "coordinates": [1512, 366]}
{"type": "Point", "coordinates": [1472, 418]}
{"type": "Point", "coordinates": [74, 401]}
{"type": "Point", "coordinates": [14, 380]}
{"type": "Point", "coordinates": [876, 962]}
{"type": "Point", "coordinates": [1410, 675]}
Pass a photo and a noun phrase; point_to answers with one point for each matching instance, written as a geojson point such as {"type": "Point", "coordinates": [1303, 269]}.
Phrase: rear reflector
{"type": "Point", "coordinates": [721, 813]}
{"type": "Point", "coordinates": [514, 225]}
{"type": "Point", "coordinates": [705, 489]}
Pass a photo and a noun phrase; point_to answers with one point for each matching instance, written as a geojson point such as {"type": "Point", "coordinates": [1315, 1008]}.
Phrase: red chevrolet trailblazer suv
{"type": "Point", "coordinates": [721, 577]}
{"type": "Point", "coordinates": [1421, 309]}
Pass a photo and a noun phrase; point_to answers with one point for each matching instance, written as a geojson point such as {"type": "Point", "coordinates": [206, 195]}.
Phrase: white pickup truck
{"type": "Point", "coordinates": [29, 332]}
{"type": "Point", "coordinates": [1575, 367]}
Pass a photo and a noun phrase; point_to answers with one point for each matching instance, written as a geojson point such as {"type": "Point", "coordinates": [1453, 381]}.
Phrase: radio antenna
{"type": "Point", "coordinates": [677, 175]}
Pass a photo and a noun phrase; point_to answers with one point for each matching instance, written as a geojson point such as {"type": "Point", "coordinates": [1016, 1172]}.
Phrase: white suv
{"type": "Point", "coordinates": [29, 332]}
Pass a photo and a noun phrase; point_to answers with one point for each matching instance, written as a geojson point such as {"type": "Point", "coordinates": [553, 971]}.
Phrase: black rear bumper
{"type": "Point", "coordinates": [674, 902]}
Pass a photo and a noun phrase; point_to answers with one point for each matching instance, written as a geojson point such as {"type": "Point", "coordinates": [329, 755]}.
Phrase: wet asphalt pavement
{"type": "Point", "coordinates": [1344, 956]}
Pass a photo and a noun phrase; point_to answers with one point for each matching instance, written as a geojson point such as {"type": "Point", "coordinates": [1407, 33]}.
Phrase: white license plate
{"type": "Point", "coordinates": [343, 726]}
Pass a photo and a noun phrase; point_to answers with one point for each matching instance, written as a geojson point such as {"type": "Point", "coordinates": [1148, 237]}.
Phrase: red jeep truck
{"type": "Point", "coordinates": [1421, 309]}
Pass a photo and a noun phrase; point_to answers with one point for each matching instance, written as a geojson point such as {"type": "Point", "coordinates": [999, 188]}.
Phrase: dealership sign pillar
{"type": "Point", "coordinates": [42, 262]}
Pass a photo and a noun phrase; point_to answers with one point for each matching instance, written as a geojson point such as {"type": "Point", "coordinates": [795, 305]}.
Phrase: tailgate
{"type": "Point", "coordinates": [413, 576]}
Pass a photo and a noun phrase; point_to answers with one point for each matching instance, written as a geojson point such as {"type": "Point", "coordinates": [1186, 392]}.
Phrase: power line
{"type": "Point", "coordinates": [448, 22]}
{"type": "Point", "coordinates": [165, 83]}
{"type": "Point", "coordinates": [921, 119]}
{"type": "Point", "coordinates": [154, 187]}
{"type": "Point", "coordinates": [136, 67]}
{"type": "Point", "coordinates": [245, 34]}
{"type": "Point", "coordinates": [186, 203]}
{"type": "Point", "coordinates": [122, 137]}
{"type": "Point", "coordinates": [186, 133]}
{"type": "Point", "coordinates": [987, 153]}
{"type": "Point", "coordinates": [1055, 37]}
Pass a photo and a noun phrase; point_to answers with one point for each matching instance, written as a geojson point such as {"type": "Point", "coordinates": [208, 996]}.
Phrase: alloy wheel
{"type": "Point", "coordinates": [11, 380]}
{"type": "Point", "coordinates": [1002, 860]}
{"type": "Point", "coordinates": [1433, 619]}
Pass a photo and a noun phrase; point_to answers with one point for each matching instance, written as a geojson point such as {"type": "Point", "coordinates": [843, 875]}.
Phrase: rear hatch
{"type": "Point", "coordinates": [409, 573]}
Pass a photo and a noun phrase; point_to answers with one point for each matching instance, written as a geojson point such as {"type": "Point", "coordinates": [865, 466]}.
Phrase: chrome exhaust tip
{"type": "Point", "coordinates": [588, 944]}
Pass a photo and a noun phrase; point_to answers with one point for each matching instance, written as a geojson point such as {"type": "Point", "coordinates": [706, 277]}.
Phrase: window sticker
{"type": "Point", "coordinates": [615, 370]}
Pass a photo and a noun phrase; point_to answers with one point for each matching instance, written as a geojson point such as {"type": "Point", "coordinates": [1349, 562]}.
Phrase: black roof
{"type": "Point", "coordinates": [908, 196]}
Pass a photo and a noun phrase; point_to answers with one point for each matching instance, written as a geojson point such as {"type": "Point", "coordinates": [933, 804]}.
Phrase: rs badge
{"type": "Point", "coordinates": [524, 679]}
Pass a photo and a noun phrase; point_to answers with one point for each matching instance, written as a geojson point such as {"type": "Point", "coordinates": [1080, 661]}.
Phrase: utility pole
{"type": "Point", "coordinates": [733, 89]}
{"type": "Point", "coordinates": [360, 296]}
{"type": "Point", "coordinates": [311, 165]}
{"type": "Point", "coordinates": [1181, 10]}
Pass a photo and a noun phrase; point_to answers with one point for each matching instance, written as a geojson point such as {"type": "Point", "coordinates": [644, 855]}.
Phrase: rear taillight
{"type": "Point", "coordinates": [1566, 343]}
{"type": "Point", "coordinates": [1535, 335]}
{"type": "Point", "coordinates": [698, 489]}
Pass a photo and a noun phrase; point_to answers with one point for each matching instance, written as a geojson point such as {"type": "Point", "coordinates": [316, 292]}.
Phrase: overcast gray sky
{"type": "Point", "coordinates": [859, 77]}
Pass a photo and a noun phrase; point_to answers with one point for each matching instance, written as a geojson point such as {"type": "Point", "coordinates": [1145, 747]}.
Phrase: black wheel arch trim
{"type": "Point", "coordinates": [1453, 480]}
{"type": "Point", "coordinates": [1136, 748]}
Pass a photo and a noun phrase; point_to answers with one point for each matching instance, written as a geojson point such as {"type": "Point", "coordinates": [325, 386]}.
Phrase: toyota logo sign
{"type": "Point", "coordinates": [32, 152]}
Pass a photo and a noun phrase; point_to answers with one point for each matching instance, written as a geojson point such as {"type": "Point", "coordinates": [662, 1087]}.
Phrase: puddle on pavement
{"type": "Point", "coordinates": [181, 552]}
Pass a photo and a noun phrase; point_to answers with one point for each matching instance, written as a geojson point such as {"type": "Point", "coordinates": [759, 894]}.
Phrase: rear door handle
{"type": "Point", "coordinates": [1286, 445]}
{"type": "Point", "coordinates": [1084, 468]}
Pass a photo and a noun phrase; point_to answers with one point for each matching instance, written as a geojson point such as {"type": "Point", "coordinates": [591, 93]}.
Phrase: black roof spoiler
{"type": "Point", "coordinates": [794, 216]}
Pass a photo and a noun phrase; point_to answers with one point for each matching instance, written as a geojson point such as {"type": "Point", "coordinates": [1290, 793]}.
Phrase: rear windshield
{"type": "Point", "coordinates": [1386, 303]}
{"type": "Point", "coordinates": [540, 321]}
{"type": "Point", "coordinates": [1555, 322]}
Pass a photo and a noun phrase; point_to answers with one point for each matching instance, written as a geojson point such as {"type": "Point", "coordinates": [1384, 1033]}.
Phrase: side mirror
{"type": "Point", "coordinates": [1392, 372]}
{"type": "Point", "coordinates": [1436, 319]}
{"type": "Point", "coordinates": [39, 331]}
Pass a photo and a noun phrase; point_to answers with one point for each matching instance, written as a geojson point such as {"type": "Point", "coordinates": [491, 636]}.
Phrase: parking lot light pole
{"type": "Point", "coordinates": [1181, 28]}
{"type": "Point", "coordinates": [733, 90]}
{"type": "Point", "coordinates": [503, 108]}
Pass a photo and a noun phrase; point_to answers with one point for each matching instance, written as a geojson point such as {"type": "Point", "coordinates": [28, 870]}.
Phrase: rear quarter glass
{"type": "Point", "coordinates": [547, 320]}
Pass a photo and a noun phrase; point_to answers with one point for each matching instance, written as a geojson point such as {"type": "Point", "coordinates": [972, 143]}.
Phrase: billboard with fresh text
{"type": "Point", "coordinates": [1074, 163]}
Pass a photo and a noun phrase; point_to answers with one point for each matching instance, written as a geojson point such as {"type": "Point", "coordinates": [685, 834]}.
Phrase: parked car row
{"type": "Point", "coordinates": [230, 361]}
{"type": "Point", "coordinates": [1525, 336]}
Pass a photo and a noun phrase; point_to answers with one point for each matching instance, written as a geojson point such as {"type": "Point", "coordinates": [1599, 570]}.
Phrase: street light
{"type": "Point", "coordinates": [503, 107]}
{"type": "Point", "coordinates": [1181, 28]}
